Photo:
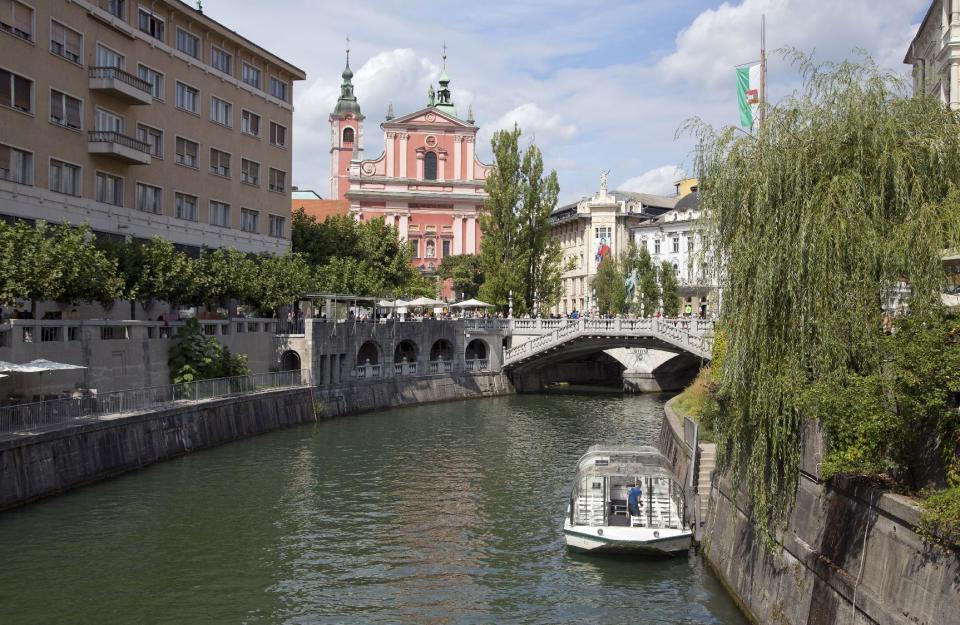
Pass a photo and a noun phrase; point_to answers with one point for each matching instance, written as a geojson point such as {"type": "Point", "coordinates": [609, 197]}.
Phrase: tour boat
{"type": "Point", "coordinates": [626, 499]}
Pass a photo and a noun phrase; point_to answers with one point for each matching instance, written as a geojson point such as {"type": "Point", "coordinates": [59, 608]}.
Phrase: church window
{"type": "Point", "coordinates": [348, 135]}
{"type": "Point", "coordinates": [430, 166]}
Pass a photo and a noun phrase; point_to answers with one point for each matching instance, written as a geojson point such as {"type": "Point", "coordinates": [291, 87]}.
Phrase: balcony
{"type": "Point", "coordinates": [121, 84]}
{"type": "Point", "coordinates": [120, 147]}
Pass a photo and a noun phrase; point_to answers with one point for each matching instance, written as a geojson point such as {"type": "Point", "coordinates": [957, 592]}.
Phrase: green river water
{"type": "Point", "coordinates": [441, 514]}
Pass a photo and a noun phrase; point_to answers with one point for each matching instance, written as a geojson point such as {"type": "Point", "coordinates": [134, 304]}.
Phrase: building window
{"type": "Point", "coordinates": [348, 135]}
{"type": "Point", "coordinates": [152, 137]}
{"type": "Point", "coordinates": [16, 165]}
{"type": "Point", "coordinates": [446, 248]}
{"type": "Point", "coordinates": [106, 121]}
{"type": "Point", "coordinates": [250, 123]}
{"type": "Point", "coordinates": [430, 166]}
{"type": "Point", "coordinates": [221, 60]}
{"type": "Point", "coordinates": [415, 247]}
{"type": "Point", "coordinates": [219, 214]}
{"type": "Point", "coordinates": [221, 111]}
{"type": "Point", "coordinates": [64, 110]}
{"type": "Point", "coordinates": [64, 178]}
{"type": "Point", "coordinates": [188, 44]}
{"type": "Point", "coordinates": [188, 98]}
{"type": "Point", "coordinates": [249, 220]}
{"type": "Point", "coordinates": [250, 75]}
{"type": "Point", "coordinates": [149, 198]}
{"type": "Point", "coordinates": [278, 180]}
{"type": "Point", "coordinates": [16, 18]}
{"type": "Point", "coordinates": [154, 78]}
{"type": "Point", "coordinates": [116, 8]}
{"type": "Point", "coordinates": [150, 23]}
{"type": "Point", "coordinates": [278, 226]}
{"type": "Point", "coordinates": [690, 243]}
{"type": "Point", "coordinates": [185, 206]}
{"type": "Point", "coordinates": [278, 135]}
{"type": "Point", "coordinates": [278, 88]}
{"type": "Point", "coordinates": [16, 91]}
{"type": "Point", "coordinates": [676, 244]}
{"type": "Point", "coordinates": [108, 189]}
{"type": "Point", "coordinates": [65, 42]}
{"type": "Point", "coordinates": [219, 162]}
{"type": "Point", "coordinates": [249, 172]}
{"type": "Point", "coordinates": [187, 152]}
{"type": "Point", "coordinates": [656, 246]}
{"type": "Point", "coordinates": [431, 251]}
{"type": "Point", "coordinates": [108, 58]}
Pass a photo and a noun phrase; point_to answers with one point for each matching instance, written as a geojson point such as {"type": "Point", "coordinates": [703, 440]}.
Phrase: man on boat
{"type": "Point", "coordinates": [634, 500]}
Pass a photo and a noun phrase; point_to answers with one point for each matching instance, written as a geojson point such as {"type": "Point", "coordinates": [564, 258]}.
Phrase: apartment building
{"type": "Point", "coordinates": [144, 118]}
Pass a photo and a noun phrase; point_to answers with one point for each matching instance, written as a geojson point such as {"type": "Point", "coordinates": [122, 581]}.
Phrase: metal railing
{"type": "Point", "coordinates": [93, 407]}
{"type": "Point", "coordinates": [112, 136]}
{"type": "Point", "coordinates": [107, 71]}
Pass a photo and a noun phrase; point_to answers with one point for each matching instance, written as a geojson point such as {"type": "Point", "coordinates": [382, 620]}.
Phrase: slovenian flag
{"type": "Point", "coordinates": [748, 93]}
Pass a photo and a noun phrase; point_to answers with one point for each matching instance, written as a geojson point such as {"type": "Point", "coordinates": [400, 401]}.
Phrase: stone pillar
{"type": "Point", "coordinates": [955, 84]}
{"type": "Point", "coordinates": [419, 165]}
{"type": "Point", "coordinates": [403, 154]}
{"type": "Point", "coordinates": [457, 149]}
{"type": "Point", "coordinates": [403, 226]}
{"type": "Point", "coordinates": [469, 157]}
{"type": "Point", "coordinates": [458, 234]}
{"type": "Point", "coordinates": [442, 166]}
{"type": "Point", "coordinates": [390, 150]}
{"type": "Point", "coordinates": [471, 235]}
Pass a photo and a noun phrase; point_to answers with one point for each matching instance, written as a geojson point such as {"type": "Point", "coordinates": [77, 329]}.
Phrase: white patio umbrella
{"type": "Point", "coordinates": [391, 303]}
{"type": "Point", "coordinates": [424, 301]}
{"type": "Point", "coordinates": [39, 366]}
{"type": "Point", "coordinates": [472, 303]}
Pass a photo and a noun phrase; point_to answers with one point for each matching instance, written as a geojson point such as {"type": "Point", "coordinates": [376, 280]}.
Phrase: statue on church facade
{"type": "Point", "coordinates": [431, 97]}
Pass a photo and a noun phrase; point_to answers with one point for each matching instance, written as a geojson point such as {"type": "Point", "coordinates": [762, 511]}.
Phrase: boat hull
{"type": "Point", "coordinates": [588, 540]}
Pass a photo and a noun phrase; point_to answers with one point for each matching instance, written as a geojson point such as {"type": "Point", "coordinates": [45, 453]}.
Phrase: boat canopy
{"type": "Point", "coordinates": [624, 460]}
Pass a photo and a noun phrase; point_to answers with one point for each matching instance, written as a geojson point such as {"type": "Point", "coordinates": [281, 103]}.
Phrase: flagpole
{"type": "Point", "coordinates": [763, 68]}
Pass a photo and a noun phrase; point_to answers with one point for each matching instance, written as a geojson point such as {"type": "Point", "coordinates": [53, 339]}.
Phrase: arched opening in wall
{"type": "Point", "coordinates": [441, 350]}
{"type": "Point", "coordinates": [348, 135]}
{"type": "Point", "coordinates": [290, 361]}
{"type": "Point", "coordinates": [476, 349]}
{"type": "Point", "coordinates": [369, 354]}
{"type": "Point", "coordinates": [430, 166]}
{"type": "Point", "coordinates": [406, 351]}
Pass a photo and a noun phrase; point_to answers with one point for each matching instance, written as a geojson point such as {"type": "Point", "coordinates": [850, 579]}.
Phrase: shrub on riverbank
{"type": "Point", "coordinates": [696, 401]}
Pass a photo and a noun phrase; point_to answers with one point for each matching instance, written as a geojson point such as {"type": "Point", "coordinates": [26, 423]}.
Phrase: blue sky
{"type": "Point", "coordinates": [598, 84]}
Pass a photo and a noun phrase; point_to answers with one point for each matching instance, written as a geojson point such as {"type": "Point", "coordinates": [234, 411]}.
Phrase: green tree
{"type": "Point", "coordinates": [86, 272]}
{"type": "Point", "coordinates": [668, 290]}
{"type": "Point", "coordinates": [648, 289]}
{"type": "Point", "coordinates": [609, 284]}
{"type": "Point", "coordinates": [280, 280]}
{"type": "Point", "coordinates": [846, 192]}
{"type": "Point", "coordinates": [338, 236]}
{"type": "Point", "coordinates": [517, 253]}
{"type": "Point", "coordinates": [224, 275]}
{"type": "Point", "coordinates": [466, 273]}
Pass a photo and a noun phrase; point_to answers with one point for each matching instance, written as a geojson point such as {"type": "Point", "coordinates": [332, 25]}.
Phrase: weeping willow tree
{"type": "Point", "coordinates": [845, 195]}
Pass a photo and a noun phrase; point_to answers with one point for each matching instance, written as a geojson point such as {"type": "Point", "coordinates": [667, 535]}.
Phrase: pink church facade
{"type": "Point", "coordinates": [427, 182]}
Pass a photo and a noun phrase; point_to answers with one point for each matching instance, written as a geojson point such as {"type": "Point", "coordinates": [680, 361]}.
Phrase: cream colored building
{"type": "Point", "coordinates": [934, 53]}
{"type": "Point", "coordinates": [144, 118]}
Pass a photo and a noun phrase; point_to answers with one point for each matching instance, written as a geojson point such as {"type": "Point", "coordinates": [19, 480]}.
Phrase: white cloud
{"type": "Point", "coordinates": [658, 180]}
{"type": "Point", "coordinates": [536, 124]}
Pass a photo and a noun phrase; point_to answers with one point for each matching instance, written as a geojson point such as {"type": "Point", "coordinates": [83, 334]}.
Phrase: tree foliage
{"type": "Point", "coordinates": [465, 271]}
{"type": "Point", "coordinates": [669, 290]}
{"type": "Point", "coordinates": [517, 252]}
{"type": "Point", "coordinates": [195, 356]}
{"type": "Point", "coordinates": [846, 193]}
{"type": "Point", "coordinates": [609, 285]}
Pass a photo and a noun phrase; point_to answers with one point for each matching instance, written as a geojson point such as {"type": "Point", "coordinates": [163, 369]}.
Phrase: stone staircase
{"type": "Point", "coordinates": [708, 462]}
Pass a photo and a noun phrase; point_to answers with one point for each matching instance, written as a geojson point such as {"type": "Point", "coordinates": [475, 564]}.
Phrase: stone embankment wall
{"type": "Point", "coordinates": [40, 465]}
{"type": "Point", "coordinates": [850, 555]}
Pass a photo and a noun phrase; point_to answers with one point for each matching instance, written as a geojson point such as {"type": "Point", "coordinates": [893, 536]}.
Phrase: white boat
{"type": "Point", "coordinates": [626, 499]}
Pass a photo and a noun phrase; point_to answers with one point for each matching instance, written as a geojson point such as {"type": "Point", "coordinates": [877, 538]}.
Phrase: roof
{"type": "Point", "coordinates": [648, 199]}
{"type": "Point", "coordinates": [689, 201]}
{"type": "Point", "coordinates": [321, 209]}
{"type": "Point", "coordinates": [305, 194]}
{"type": "Point", "coordinates": [908, 58]}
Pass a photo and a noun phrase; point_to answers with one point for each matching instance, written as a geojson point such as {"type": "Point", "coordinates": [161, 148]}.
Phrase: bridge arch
{"type": "Point", "coordinates": [290, 361]}
{"type": "Point", "coordinates": [442, 349]}
{"type": "Point", "coordinates": [369, 353]}
{"type": "Point", "coordinates": [406, 351]}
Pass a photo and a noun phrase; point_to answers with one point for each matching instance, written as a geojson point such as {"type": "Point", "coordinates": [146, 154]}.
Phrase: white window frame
{"type": "Point", "coordinates": [259, 171]}
{"type": "Point", "coordinates": [244, 212]}
{"type": "Point", "coordinates": [33, 92]}
{"type": "Point", "coordinates": [154, 16]}
{"type": "Point", "coordinates": [63, 44]}
{"type": "Point", "coordinates": [28, 179]}
{"type": "Point", "coordinates": [282, 83]}
{"type": "Point", "coordinates": [196, 206]}
{"type": "Point", "coordinates": [213, 50]}
{"type": "Point", "coordinates": [259, 72]}
{"type": "Point", "coordinates": [96, 55]}
{"type": "Point", "coordinates": [198, 98]}
{"type": "Point", "coordinates": [149, 127]}
{"type": "Point", "coordinates": [96, 174]}
{"type": "Point", "coordinates": [259, 123]}
{"type": "Point", "coordinates": [123, 8]}
{"type": "Point", "coordinates": [270, 184]}
{"type": "Point", "coordinates": [272, 230]}
{"type": "Point", "coordinates": [214, 104]}
{"type": "Point", "coordinates": [66, 95]}
{"type": "Point", "coordinates": [136, 197]}
{"type": "Point", "coordinates": [229, 173]}
{"type": "Point", "coordinates": [188, 35]}
{"type": "Point", "coordinates": [286, 138]}
{"type": "Point", "coordinates": [78, 166]}
{"type": "Point", "coordinates": [176, 157]}
{"type": "Point", "coordinates": [32, 35]}
{"type": "Point", "coordinates": [210, 213]}
{"type": "Point", "coordinates": [163, 81]}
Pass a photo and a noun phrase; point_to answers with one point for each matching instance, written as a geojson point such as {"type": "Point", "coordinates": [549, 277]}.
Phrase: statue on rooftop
{"type": "Point", "coordinates": [603, 180]}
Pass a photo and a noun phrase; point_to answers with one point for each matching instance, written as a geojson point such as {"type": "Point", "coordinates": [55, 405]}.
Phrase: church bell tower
{"type": "Point", "coordinates": [346, 125]}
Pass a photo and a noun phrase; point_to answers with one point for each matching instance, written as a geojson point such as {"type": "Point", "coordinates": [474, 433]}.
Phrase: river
{"type": "Point", "coordinates": [440, 514]}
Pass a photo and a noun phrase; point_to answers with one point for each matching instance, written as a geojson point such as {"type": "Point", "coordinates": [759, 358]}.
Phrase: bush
{"type": "Point", "coordinates": [940, 521]}
{"type": "Point", "coordinates": [195, 356]}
